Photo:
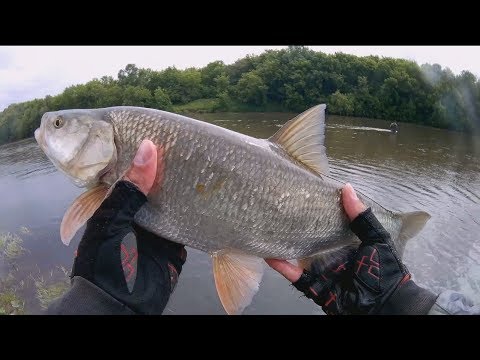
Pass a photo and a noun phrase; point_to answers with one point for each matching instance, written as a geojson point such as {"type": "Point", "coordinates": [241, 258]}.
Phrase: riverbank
{"type": "Point", "coordinates": [211, 110]}
{"type": "Point", "coordinates": [214, 106]}
{"type": "Point", "coordinates": [287, 80]}
{"type": "Point", "coordinates": [224, 105]}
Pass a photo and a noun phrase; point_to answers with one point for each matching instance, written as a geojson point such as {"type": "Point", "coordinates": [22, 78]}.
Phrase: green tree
{"type": "Point", "coordinates": [291, 79]}
{"type": "Point", "coordinates": [137, 96]}
{"type": "Point", "coordinates": [251, 89]}
{"type": "Point", "coordinates": [209, 78]}
{"type": "Point", "coordinates": [162, 100]}
{"type": "Point", "coordinates": [342, 104]}
{"type": "Point", "coordinates": [129, 75]}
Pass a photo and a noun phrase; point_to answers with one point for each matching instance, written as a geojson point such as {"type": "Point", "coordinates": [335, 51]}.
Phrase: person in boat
{"type": "Point", "coordinates": [394, 127]}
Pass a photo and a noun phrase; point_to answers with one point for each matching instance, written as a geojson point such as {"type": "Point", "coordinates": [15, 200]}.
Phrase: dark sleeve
{"type": "Point", "coordinates": [85, 298]}
{"type": "Point", "coordinates": [454, 303]}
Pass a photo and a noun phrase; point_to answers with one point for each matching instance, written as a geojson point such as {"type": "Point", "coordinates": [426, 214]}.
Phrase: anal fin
{"type": "Point", "coordinates": [237, 278]}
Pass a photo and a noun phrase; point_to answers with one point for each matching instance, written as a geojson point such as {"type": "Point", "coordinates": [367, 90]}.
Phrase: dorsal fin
{"type": "Point", "coordinates": [303, 138]}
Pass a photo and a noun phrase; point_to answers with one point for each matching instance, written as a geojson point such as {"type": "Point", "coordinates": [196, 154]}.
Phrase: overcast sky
{"type": "Point", "coordinates": [28, 72]}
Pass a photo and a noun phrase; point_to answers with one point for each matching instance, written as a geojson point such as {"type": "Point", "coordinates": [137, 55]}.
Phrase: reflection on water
{"type": "Point", "coordinates": [418, 168]}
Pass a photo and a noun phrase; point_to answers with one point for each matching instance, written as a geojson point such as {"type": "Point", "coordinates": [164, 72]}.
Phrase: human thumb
{"type": "Point", "coordinates": [144, 167]}
{"type": "Point", "coordinates": [351, 203]}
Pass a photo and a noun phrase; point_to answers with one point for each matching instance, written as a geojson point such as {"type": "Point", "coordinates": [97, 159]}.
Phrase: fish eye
{"type": "Point", "coordinates": [58, 123]}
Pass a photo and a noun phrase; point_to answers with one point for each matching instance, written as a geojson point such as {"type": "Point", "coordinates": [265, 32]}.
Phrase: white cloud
{"type": "Point", "coordinates": [33, 72]}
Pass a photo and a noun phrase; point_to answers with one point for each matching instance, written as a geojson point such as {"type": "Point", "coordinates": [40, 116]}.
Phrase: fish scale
{"type": "Point", "coordinates": [238, 198]}
{"type": "Point", "coordinates": [292, 226]}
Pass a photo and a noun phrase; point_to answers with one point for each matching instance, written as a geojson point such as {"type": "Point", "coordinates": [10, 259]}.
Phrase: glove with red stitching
{"type": "Point", "coordinates": [374, 282]}
{"type": "Point", "coordinates": [369, 280]}
{"type": "Point", "coordinates": [136, 267]}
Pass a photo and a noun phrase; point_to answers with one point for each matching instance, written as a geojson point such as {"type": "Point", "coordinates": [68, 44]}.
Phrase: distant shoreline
{"type": "Point", "coordinates": [355, 118]}
{"type": "Point", "coordinates": [288, 80]}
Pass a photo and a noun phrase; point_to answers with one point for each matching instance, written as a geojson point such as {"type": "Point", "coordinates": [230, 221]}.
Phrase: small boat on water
{"type": "Point", "coordinates": [394, 127]}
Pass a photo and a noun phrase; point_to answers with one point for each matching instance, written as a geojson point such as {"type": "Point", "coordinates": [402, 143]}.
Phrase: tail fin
{"type": "Point", "coordinates": [412, 224]}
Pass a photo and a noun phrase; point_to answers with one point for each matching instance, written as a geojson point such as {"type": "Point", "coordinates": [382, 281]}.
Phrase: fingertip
{"type": "Point", "coordinates": [273, 262]}
{"type": "Point", "coordinates": [146, 153]}
{"type": "Point", "coordinates": [149, 144]}
{"type": "Point", "coordinates": [288, 270]}
{"type": "Point", "coordinates": [351, 203]}
{"type": "Point", "coordinates": [144, 167]}
{"type": "Point", "coordinates": [349, 191]}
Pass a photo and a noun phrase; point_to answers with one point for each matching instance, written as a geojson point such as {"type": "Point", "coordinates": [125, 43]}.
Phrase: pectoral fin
{"type": "Point", "coordinates": [81, 210]}
{"type": "Point", "coordinates": [237, 278]}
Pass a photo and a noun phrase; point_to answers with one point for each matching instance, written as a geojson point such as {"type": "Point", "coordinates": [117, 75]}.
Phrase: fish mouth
{"type": "Point", "coordinates": [39, 138]}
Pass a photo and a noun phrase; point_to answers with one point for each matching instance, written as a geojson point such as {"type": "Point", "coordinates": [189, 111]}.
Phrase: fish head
{"type": "Point", "coordinates": [79, 143]}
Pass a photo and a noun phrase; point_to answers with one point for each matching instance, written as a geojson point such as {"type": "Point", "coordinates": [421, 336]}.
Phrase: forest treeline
{"type": "Point", "coordinates": [291, 79]}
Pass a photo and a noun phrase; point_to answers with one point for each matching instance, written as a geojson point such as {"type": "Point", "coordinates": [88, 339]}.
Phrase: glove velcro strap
{"type": "Point", "coordinates": [409, 299]}
{"type": "Point", "coordinates": [317, 288]}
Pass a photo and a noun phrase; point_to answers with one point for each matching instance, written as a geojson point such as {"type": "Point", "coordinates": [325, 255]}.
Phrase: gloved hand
{"type": "Point", "coordinates": [374, 282]}
{"type": "Point", "coordinates": [136, 267]}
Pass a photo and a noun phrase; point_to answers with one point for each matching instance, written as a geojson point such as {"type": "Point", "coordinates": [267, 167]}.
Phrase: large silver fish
{"type": "Point", "coordinates": [238, 198]}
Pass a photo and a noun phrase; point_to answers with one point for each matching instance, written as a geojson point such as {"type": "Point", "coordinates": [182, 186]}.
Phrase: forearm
{"type": "Point", "coordinates": [85, 298]}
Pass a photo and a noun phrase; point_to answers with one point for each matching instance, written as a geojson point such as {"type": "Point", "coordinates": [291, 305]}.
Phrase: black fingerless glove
{"type": "Point", "coordinates": [374, 281]}
{"type": "Point", "coordinates": [136, 267]}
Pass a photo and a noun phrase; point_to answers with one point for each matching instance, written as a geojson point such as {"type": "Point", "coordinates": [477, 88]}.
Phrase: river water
{"type": "Point", "coordinates": [419, 168]}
